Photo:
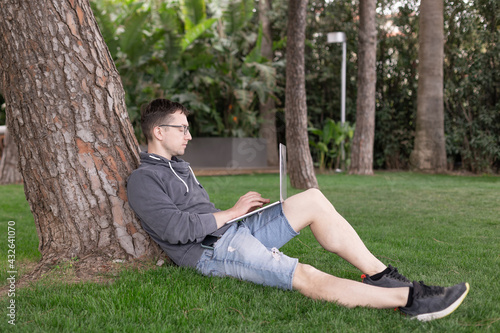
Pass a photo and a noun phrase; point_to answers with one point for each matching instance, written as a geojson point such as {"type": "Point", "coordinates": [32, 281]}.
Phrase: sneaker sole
{"type": "Point", "coordinates": [445, 312]}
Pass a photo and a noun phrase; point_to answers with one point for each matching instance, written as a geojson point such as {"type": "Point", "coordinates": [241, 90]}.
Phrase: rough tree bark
{"type": "Point", "coordinates": [300, 164]}
{"type": "Point", "coordinates": [429, 153]}
{"type": "Point", "coordinates": [364, 134]}
{"type": "Point", "coordinates": [9, 170]}
{"type": "Point", "coordinates": [268, 109]}
{"type": "Point", "coordinates": [66, 110]}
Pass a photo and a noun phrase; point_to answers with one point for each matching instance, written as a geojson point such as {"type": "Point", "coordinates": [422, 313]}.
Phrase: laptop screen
{"type": "Point", "coordinates": [283, 177]}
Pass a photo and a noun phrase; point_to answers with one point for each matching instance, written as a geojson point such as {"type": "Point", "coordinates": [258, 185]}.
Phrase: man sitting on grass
{"type": "Point", "coordinates": [176, 211]}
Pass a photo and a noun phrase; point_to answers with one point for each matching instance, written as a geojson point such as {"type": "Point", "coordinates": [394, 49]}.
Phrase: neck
{"type": "Point", "coordinates": [154, 149]}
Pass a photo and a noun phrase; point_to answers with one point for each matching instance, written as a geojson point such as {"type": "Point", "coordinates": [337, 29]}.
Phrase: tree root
{"type": "Point", "coordinates": [94, 267]}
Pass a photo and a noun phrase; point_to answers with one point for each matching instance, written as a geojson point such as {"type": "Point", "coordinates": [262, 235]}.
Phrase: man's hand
{"type": "Point", "coordinates": [249, 202]}
{"type": "Point", "coordinates": [245, 204]}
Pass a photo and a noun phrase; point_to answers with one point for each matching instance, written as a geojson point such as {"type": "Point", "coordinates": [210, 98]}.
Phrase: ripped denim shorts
{"type": "Point", "coordinates": [248, 251]}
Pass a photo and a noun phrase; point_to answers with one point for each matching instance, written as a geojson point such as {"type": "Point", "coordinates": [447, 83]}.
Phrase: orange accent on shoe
{"type": "Point", "coordinates": [363, 276]}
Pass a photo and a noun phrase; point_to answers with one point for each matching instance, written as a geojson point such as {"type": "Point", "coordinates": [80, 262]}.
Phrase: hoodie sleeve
{"type": "Point", "coordinates": [158, 212]}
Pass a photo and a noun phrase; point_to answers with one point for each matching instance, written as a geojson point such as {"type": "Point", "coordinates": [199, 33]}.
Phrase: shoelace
{"type": "Point", "coordinates": [425, 290]}
{"type": "Point", "coordinates": [394, 274]}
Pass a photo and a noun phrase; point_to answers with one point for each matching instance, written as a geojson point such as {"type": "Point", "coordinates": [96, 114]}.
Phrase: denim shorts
{"type": "Point", "coordinates": [248, 251]}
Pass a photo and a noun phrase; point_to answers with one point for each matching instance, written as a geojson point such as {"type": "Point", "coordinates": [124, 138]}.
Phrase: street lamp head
{"type": "Point", "coordinates": [336, 37]}
{"type": "Point", "coordinates": [339, 37]}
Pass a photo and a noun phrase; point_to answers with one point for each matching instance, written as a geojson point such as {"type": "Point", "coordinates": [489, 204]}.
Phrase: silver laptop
{"type": "Point", "coordinates": [283, 184]}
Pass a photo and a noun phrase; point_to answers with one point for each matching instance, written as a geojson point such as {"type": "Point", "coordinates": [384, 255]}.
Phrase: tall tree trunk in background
{"type": "Point", "coordinates": [9, 170]}
{"type": "Point", "coordinates": [66, 111]}
{"type": "Point", "coordinates": [364, 134]}
{"type": "Point", "coordinates": [429, 153]}
{"type": "Point", "coordinates": [268, 109]}
{"type": "Point", "coordinates": [300, 164]}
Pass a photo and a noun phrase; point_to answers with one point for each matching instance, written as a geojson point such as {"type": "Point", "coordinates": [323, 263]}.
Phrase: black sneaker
{"type": "Point", "coordinates": [431, 302]}
{"type": "Point", "coordinates": [392, 279]}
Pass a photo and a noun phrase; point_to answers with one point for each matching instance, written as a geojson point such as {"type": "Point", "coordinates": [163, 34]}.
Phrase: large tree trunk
{"type": "Point", "coordinates": [300, 164]}
{"type": "Point", "coordinates": [268, 109]}
{"type": "Point", "coordinates": [9, 171]}
{"type": "Point", "coordinates": [66, 110]}
{"type": "Point", "coordinates": [429, 153]}
{"type": "Point", "coordinates": [364, 135]}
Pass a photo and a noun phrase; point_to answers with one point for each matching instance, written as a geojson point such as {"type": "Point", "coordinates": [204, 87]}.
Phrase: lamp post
{"type": "Point", "coordinates": [339, 37]}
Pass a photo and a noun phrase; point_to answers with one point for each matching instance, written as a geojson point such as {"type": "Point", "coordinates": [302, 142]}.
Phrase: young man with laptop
{"type": "Point", "coordinates": [176, 211]}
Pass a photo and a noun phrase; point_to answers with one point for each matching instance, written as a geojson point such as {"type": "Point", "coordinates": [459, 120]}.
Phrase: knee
{"type": "Point", "coordinates": [314, 196]}
{"type": "Point", "coordinates": [314, 193]}
{"type": "Point", "coordinates": [316, 199]}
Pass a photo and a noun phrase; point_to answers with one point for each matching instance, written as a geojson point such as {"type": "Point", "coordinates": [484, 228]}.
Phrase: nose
{"type": "Point", "coordinates": [188, 135]}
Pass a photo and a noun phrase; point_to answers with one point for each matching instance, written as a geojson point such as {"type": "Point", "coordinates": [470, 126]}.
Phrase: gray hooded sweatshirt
{"type": "Point", "coordinates": [174, 208]}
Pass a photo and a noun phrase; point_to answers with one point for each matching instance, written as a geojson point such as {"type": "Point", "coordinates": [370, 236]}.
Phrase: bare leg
{"type": "Point", "coordinates": [316, 284]}
{"type": "Point", "coordinates": [333, 232]}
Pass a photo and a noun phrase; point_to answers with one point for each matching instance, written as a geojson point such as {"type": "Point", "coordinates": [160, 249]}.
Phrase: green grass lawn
{"type": "Point", "coordinates": [440, 229]}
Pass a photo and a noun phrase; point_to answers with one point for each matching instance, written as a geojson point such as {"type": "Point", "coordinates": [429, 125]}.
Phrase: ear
{"type": "Point", "coordinates": [158, 133]}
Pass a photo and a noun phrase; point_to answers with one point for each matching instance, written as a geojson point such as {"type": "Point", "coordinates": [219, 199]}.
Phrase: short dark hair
{"type": "Point", "coordinates": [157, 112]}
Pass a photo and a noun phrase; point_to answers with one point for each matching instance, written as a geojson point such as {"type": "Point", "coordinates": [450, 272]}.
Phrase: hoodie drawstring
{"type": "Point", "coordinates": [175, 173]}
{"type": "Point", "coordinates": [195, 179]}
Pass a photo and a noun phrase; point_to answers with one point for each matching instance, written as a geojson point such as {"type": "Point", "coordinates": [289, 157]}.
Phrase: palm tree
{"type": "Point", "coordinates": [300, 164]}
{"type": "Point", "coordinates": [364, 135]}
{"type": "Point", "coordinates": [429, 153]}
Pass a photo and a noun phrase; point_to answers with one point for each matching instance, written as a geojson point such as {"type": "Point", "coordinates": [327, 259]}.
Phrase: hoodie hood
{"type": "Point", "coordinates": [179, 168]}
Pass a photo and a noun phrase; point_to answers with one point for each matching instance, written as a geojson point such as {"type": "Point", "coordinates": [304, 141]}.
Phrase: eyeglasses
{"type": "Point", "coordinates": [185, 127]}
